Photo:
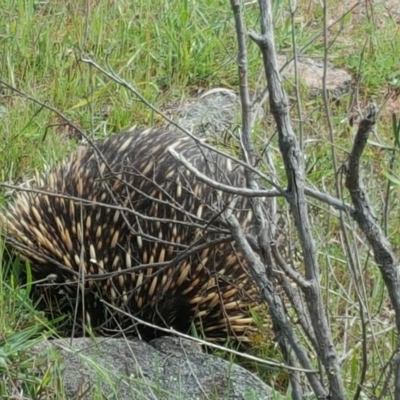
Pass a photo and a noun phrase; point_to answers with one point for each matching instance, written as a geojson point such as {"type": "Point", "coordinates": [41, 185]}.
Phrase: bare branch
{"type": "Point", "coordinates": [364, 216]}
{"type": "Point", "coordinates": [328, 199]}
{"type": "Point", "coordinates": [257, 269]}
{"type": "Point", "coordinates": [264, 234]}
{"type": "Point", "coordinates": [220, 186]}
{"type": "Point", "coordinates": [323, 197]}
{"type": "Point", "coordinates": [294, 166]}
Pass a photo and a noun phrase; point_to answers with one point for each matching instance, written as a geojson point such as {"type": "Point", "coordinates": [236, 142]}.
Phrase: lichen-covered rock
{"type": "Point", "coordinates": [164, 369]}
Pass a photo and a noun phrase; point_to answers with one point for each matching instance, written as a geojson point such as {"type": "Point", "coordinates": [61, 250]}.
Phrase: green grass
{"type": "Point", "coordinates": [21, 328]}
{"type": "Point", "coordinates": [169, 49]}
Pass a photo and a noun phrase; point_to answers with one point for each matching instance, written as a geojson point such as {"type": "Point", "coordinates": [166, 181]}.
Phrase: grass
{"type": "Point", "coordinates": [168, 50]}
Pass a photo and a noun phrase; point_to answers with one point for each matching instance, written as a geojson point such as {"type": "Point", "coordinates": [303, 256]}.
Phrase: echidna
{"type": "Point", "coordinates": [124, 222]}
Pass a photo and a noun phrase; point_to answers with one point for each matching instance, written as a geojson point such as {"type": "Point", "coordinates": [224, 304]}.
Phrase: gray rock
{"type": "Point", "coordinates": [214, 112]}
{"type": "Point", "coordinates": [310, 71]}
{"type": "Point", "coordinates": [167, 368]}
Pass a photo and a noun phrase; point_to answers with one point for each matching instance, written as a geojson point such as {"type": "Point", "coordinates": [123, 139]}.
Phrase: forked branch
{"type": "Point", "coordinates": [364, 216]}
{"type": "Point", "coordinates": [295, 173]}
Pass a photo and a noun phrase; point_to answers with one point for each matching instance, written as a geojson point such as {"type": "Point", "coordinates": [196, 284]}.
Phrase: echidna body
{"type": "Point", "coordinates": [127, 224]}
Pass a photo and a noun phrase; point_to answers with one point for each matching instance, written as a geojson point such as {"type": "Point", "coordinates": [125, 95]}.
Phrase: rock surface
{"type": "Point", "coordinates": [310, 72]}
{"type": "Point", "coordinates": [164, 369]}
{"type": "Point", "coordinates": [210, 114]}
